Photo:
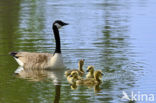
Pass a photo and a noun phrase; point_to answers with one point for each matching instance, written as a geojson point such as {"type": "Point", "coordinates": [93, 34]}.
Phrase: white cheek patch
{"type": "Point", "coordinates": [57, 25]}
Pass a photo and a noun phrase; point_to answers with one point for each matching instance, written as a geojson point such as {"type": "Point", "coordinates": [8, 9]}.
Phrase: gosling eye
{"type": "Point", "coordinates": [70, 76]}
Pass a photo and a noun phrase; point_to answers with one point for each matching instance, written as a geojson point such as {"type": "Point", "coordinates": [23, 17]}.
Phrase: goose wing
{"type": "Point", "coordinates": [31, 58]}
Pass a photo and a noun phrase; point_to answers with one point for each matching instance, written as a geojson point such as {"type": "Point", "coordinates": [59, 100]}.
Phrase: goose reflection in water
{"type": "Point", "coordinates": [42, 74]}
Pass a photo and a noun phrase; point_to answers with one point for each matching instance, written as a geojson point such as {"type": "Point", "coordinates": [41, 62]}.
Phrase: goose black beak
{"type": "Point", "coordinates": [64, 24]}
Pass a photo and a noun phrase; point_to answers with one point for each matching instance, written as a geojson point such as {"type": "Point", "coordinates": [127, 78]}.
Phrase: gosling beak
{"type": "Point", "coordinates": [87, 70]}
{"type": "Point", "coordinates": [102, 74]}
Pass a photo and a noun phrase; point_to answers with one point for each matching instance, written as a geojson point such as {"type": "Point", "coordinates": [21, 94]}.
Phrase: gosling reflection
{"type": "Point", "coordinates": [97, 88]}
{"type": "Point", "coordinates": [73, 86]}
{"type": "Point", "coordinates": [40, 74]}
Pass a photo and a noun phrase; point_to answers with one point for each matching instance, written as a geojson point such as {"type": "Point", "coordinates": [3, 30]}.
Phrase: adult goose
{"type": "Point", "coordinates": [43, 60]}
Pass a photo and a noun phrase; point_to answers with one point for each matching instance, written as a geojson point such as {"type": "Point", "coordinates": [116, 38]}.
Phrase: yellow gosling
{"type": "Point", "coordinates": [90, 71]}
{"type": "Point", "coordinates": [91, 81]}
{"type": "Point", "coordinates": [73, 77]}
{"type": "Point", "coordinates": [79, 70]}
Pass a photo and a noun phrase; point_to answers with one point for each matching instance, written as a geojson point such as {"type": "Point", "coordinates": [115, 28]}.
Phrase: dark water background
{"type": "Point", "coordinates": [117, 37]}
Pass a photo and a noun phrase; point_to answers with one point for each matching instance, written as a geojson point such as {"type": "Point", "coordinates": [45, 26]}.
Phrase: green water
{"type": "Point", "coordinates": [117, 37]}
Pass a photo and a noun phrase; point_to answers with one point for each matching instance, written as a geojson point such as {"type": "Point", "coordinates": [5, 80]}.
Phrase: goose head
{"type": "Point", "coordinates": [59, 24]}
{"type": "Point", "coordinates": [90, 69]}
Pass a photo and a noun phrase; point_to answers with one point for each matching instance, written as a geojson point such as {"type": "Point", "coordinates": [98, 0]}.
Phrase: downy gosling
{"type": "Point", "coordinates": [79, 70]}
{"type": "Point", "coordinates": [73, 77]}
{"type": "Point", "coordinates": [91, 81]}
{"type": "Point", "coordinates": [90, 71]}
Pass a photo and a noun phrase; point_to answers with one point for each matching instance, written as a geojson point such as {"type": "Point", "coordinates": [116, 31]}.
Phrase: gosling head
{"type": "Point", "coordinates": [98, 74]}
{"type": "Point", "coordinates": [59, 24]}
{"type": "Point", "coordinates": [74, 74]}
{"type": "Point", "coordinates": [90, 69]}
{"type": "Point", "coordinates": [81, 62]}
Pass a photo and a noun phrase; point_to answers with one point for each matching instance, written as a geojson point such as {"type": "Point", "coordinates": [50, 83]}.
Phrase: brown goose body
{"type": "Point", "coordinates": [33, 60]}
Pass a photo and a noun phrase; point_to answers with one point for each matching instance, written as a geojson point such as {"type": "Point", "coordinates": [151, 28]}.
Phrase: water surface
{"type": "Point", "coordinates": [117, 37]}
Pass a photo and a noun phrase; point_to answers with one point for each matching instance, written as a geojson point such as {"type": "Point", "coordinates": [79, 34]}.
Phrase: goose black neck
{"type": "Point", "coordinates": [57, 39]}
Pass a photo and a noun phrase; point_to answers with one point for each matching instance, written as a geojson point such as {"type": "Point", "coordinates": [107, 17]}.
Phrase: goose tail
{"type": "Point", "coordinates": [13, 54]}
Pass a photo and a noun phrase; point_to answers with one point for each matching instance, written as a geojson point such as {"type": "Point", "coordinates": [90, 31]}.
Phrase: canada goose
{"type": "Point", "coordinates": [79, 70]}
{"type": "Point", "coordinates": [90, 71]}
{"type": "Point", "coordinates": [91, 81]}
{"type": "Point", "coordinates": [73, 77]}
{"type": "Point", "coordinates": [43, 60]}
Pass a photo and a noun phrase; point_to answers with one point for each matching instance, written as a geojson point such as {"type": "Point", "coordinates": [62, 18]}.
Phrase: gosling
{"type": "Point", "coordinates": [90, 71]}
{"type": "Point", "coordinates": [73, 77]}
{"type": "Point", "coordinates": [79, 70]}
{"type": "Point", "coordinates": [91, 81]}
